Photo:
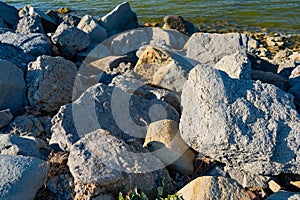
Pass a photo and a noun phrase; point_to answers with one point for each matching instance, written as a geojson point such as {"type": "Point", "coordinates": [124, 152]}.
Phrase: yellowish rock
{"type": "Point", "coordinates": [63, 10]}
{"type": "Point", "coordinates": [275, 187]}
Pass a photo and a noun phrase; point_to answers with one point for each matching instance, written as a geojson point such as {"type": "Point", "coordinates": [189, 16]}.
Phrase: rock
{"type": "Point", "coordinates": [244, 124]}
{"type": "Point", "coordinates": [30, 24]}
{"type": "Point", "coordinates": [209, 187]}
{"type": "Point", "coordinates": [50, 82]}
{"type": "Point", "coordinates": [63, 10]}
{"type": "Point", "coordinates": [72, 20]}
{"type": "Point", "coordinates": [109, 108]}
{"type": "Point", "coordinates": [3, 25]}
{"type": "Point", "coordinates": [9, 14]}
{"type": "Point", "coordinates": [252, 44]}
{"type": "Point", "coordinates": [179, 24]}
{"type": "Point", "coordinates": [122, 167]}
{"type": "Point", "coordinates": [21, 176]}
{"type": "Point", "coordinates": [5, 117]}
{"type": "Point", "coordinates": [281, 56]}
{"type": "Point", "coordinates": [248, 180]}
{"type": "Point", "coordinates": [26, 125]}
{"type": "Point", "coordinates": [70, 40]}
{"type": "Point", "coordinates": [210, 48]}
{"type": "Point", "coordinates": [120, 19]}
{"type": "Point", "coordinates": [269, 77]}
{"type": "Point", "coordinates": [295, 73]}
{"type": "Point", "coordinates": [286, 68]}
{"type": "Point", "coordinates": [275, 187]}
{"type": "Point", "coordinates": [295, 57]}
{"type": "Point", "coordinates": [236, 65]}
{"type": "Point", "coordinates": [12, 87]}
{"type": "Point", "coordinates": [261, 64]}
{"type": "Point", "coordinates": [284, 195]}
{"type": "Point", "coordinates": [35, 44]}
{"type": "Point", "coordinates": [54, 16]}
{"type": "Point", "coordinates": [295, 183]}
{"type": "Point", "coordinates": [164, 141]}
{"type": "Point", "coordinates": [16, 56]}
{"type": "Point", "coordinates": [294, 89]}
{"type": "Point", "coordinates": [90, 26]}
{"type": "Point", "coordinates": [15, 145]}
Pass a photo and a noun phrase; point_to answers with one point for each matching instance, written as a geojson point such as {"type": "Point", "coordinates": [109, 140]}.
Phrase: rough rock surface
{"type": "Point", "coordinates": [269, 77]}
{"type": "Point", "coordinates": [120, 19]}
{"type": "Point", "coordinates": [71, 19]}
{"type": "Point", "coordinates": [70, 40]}
{"type": "Point", "coordinates": [294, 89]}
{"type": "Point", "coordinates": [9, 14]}
{"type": "Point", "coordinates": [21, 176]}
{"type": "Point", "coordinates": [164, 141]}
{"type": "Point", "coordinates": [30, 24]}
{"type": "Point", "coordinates": [122, 167]}
{"type": "Point", "coordinates": [90, 26]}
{"type": "Point", "coordinates": [35, 44]}
{"type": "Point", "coordinates": [245, 124]}
{"type": "Point", "coordinates": [5, 117]}
{"type": "Point", "coordinates": [284, 195]}
{"type": "Point", "coordinates": [109, 108]}
{"type": "Point", "coordinates": [179, 24]}
{"type": "Point", "coordinates": [211, 48]}
{"type": "Point", "coordinates": [12, 87]}
{"type": "Point", "coordinates": [209, 187]}
{"type": "Point", "coordinates": [50, 82]}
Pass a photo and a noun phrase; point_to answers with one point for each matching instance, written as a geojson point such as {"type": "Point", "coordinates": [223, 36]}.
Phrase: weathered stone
{"type": "Point", "coordinates": [104, 107]}
{"type": "Point", "coordinates": [9, 14]}
{"type": "Point", "coordinates": [122, 167]}
{"type": "Point", "coordinates": [50, 82]}
{"type": "Point", "coordinates": [179, 24]}
{"type": "Point", "coordinates": [164, 141]}
{"type": "Point", "coordinates": [211, 48]}
{"type": "Point", "coordinates": [90, 26]}
{"type": "Point", "coordinates": [21, 176]}
{"type": "Point", "coordinates": [12, 87]}
{"type": "Point", "coordinates": [5, 117]}
{"type": "Point", "coordinates": [245, 124]}
{"type": "Point", "coordinates": [284, 195]}
{"type": "Point", "coordinates": [70, 40]}
{"type": "Point", "coordinates": [35, 44]}
{"type": "Point", "coordinates": [120, 19]}
{"type": "Point", "coordinates": [30, 24]}
{"type": "Point", "coordinates": [15, 145]}
{"type": "Point", "coordinates": [71, 19]}
{"type": "Point", "coordinates": [269, 77]}
{"type": "Point", "coordinates": [209, 187]}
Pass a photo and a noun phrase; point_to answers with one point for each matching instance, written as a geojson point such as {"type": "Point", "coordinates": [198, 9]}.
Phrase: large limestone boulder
{"type": "Point", "coordinates": [12, 87]}
{"type": "Point", "coordinates": [21, 176]}
{"type": "Point", "coordinates": [120, 19]}
{"type": "Point", "coordinates": [30, 24]}
{"type": "Point", "coordinates": [9, 14]}
{"type": "Point", "coordinates": [121, 166]}
{"type": "Point", "coordinates": [247, 125]}
{"type": "Point", "coordinates": [210, 187]}
{"type": "Point", "coordinates": [50, 82]}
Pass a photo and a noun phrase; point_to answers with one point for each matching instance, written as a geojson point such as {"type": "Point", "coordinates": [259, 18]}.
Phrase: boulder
{"type": "Point", "coordinates": [72, 20]}
{"type": "Point", "coordinates": [210, 48]}
{"type": "Point", "coordinates": [294, 89]}
{"type": "Point", "coordinates": [124, 115]}
{"type": "Point", "coordinates": [50, 82]}
{"type": "Point", "coordinates": [284, 195]}
{"type": "Point", "coordinates": [121, 166]}
{"type": "Point", "coordinates": [16, 145]}
{"type": "Point", "coordinates": [5, 117]}
{"type": "Point", "coordinates": [9, 14]}
{"type": "Point", "coordinates": [30, 24]}
{"type": "Point", "coordinates": [247, 125]}
{"type": "Point", "coordinates": [209, 187]}
{"type": "Point", "coordinates": [54, 16]}
{"type": "Point", "coordinates": [295, 73]}
{"type": "Point", "coordinates": [269, 77]}
{"type": "Point", "coordinates": [3, 25]}
{"type": "Point", "coordinates": [35, 44]}
{"type": "Point", "coordinates": [164, 141]}
{"type": "Point", "coordinates": [90, 26]}
{"type": "Point", "coordinates": [12, 87]}
{"type": "Point", "coordinates": [120, 19]}
{"type": "Point", "coordinates": [21, 176]}
{"type": "Point", "coordinates": [179, 24]}
{"type": "Point", "coordinates": [70, 40]}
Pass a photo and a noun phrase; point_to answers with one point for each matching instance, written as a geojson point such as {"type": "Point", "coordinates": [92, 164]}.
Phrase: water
{"type": "Point", "coordinates": [273, 15]}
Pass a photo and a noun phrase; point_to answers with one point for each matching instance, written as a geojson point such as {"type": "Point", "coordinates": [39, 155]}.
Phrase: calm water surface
{"type": "Point", "coordinates": [275, 15]}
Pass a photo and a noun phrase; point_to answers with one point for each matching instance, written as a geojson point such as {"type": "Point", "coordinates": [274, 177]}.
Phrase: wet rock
{"type": "Point", "coordinates": [164, 141]}
{"type": "Point", "coordinates": [12, 87]}
{"type": "Point", "coordinates": [35, 44]}
{"type": "Point", "coordinates": [269, 77]}
{"type": "Point", "coordinates": [21, 176]}
{"type": "Point", "coordinates": [9, 14]}
{"type": "Point", "coordinates": [5, 117]}
{"type": "Point", "coordinates": [284, 195]}
{"type": "Point", "coordinates": [209, 187]}
{"type": "Point", "coordinates": [211, 48]}
{"type": "Point", "coordinates": [122, 167]}
{"type": "Point", "coordinates": [104, 107]}
{"type": "Point", "coordinates": [30, 24]}
{"type": "Point", "coordinates": [246, 125]}
{"type": "Point", "coordinates": [90, 26]}
{"type": "Point", "coordinates": [72, 20]}
{"type": "Point", "coordinates": [69, 40]}
{"type": "Point", "coordinates": [120, 19]}
{"type": "Point", "coordinates": [179, 24]}
{"type": "Point", "coordinates": [50, 82]}
{"type": "Point", "coordinates": [63, 10]}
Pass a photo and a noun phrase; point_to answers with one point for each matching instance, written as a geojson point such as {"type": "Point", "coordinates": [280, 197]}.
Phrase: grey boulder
{"type": "Point", "coordinates": [30, 24]}
{"type": "Point", "coordinates": [5, 117]}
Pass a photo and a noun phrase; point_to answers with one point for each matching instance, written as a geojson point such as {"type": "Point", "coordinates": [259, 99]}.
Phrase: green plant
{"type": "Point", "coordinates": [133, 195]}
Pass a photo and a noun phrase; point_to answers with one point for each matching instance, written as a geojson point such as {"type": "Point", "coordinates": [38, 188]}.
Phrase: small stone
{"type": "Point", "coordinates": [179, 24]}
{"type": "Point", "coordinates": [63, 10]}
{"type": "Point", "coordinates": [275, 187]}
{"type": "Point", "coordinates": [5, 117]}
{"type": "Point", "coordinates": [295, 183]}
